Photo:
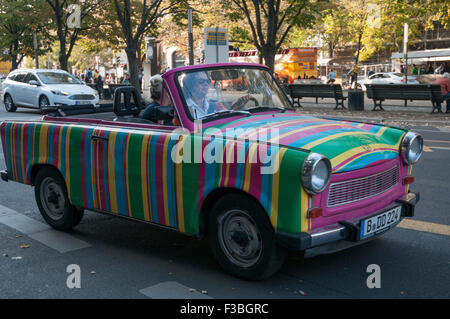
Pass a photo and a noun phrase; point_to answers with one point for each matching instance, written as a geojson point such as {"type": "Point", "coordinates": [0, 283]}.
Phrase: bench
{"type": "Point", "coordinates": [298, 91]}
{"type": "Point", "coordinates": [422, 92]}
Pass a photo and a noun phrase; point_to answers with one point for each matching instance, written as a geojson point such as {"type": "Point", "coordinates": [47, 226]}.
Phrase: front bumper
{"type": "Point", "coordinates": [65, 100]}
{"type": "Point", "coordinates": [341, 235]}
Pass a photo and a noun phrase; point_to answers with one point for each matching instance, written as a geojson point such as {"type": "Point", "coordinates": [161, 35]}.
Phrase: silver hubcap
{"type": "Point", "coordinates": [43, 102]}
{"type": "Point", "coordinates": [52, 198]}
{"type": "Point", "coordinates": [239, 238]}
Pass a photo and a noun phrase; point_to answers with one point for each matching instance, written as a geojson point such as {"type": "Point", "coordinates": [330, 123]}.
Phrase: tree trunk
{"type": "Point", "coordinates": [131, 52]}
{"type": "Point", "coordinates": [269, 57]}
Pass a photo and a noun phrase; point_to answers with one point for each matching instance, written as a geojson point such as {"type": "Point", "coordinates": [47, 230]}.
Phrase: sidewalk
{"type": "Point", "coordinates": [416, 113]}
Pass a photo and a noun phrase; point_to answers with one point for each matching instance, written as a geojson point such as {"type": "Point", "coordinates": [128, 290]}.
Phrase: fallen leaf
{"type": "Point", "coordinates": [301, 292]}
{"type": "Point", "coordinates": [204, 292]}
{"type": "Point", "coordinates": [17, 236]}
{"type": "Point", "coordinates": [16, 258]}
{"type": "Point", "coordinates": [24, 246]}
{"type": "Point", "coordinates": [93, 272]}
{"type": "Point", "coordinates": [5, 255]}
{"type": "Point", "coordinates": [191, 290]}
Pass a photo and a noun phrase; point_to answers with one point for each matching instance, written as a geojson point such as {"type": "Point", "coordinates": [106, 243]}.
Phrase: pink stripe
{"type": "Point", "coordinates": [25, 152]}
{"type": "Point", "coordinates": [100, 164]}
{"type": "Point", "coordinates": [56, 133]}
{"type": "Point", "coordinates": [83, 168]}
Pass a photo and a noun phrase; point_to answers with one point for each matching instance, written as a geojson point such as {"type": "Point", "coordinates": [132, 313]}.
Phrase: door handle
{"type": "Point", "coordinates": [98, 138]}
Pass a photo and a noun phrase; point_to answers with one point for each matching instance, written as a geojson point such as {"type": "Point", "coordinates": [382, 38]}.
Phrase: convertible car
{"type": "Point", "coordinates": [225, 156]}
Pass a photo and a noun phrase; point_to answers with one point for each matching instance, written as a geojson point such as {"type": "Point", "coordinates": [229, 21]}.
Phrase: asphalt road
{"type": "Point", "coordinates": [125, 259]}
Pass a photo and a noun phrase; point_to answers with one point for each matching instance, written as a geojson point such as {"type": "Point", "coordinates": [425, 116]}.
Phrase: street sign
{"type": "Point", "coordinates": [216, 45]}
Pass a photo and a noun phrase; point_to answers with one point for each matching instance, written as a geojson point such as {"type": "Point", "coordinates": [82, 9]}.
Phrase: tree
{"type": "Point", "coordinates": [136, 18]}
{"type": "Point", "coordinates": [66, 33]}
{"type": "Point", "coordinates": [19, 19]}
{"type": "Point", "coordinates": [271, 21]}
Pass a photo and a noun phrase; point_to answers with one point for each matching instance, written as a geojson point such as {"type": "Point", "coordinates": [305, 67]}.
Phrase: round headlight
{"type": "Point", "coordinates": [316, 171]}
{"type": "Point", "coordinates": [411, 147]}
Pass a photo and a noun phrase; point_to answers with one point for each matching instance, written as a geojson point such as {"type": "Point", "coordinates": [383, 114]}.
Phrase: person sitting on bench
{"type": "Point", "coordinates": [444, 82]}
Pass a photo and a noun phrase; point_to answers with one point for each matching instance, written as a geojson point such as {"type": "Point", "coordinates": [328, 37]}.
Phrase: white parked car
{"type": "Point", "coordinates": [388, 78]}
{"type": "Point", "coordinates": [40, 88]}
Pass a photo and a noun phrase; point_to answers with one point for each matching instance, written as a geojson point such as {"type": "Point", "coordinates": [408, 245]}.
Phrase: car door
{"type": "Point", "coordinates": [133, 174]}
{"type": "Point", "coordinates": [30, 92]}
{"type": "Point", "coordinates": [17, 88]}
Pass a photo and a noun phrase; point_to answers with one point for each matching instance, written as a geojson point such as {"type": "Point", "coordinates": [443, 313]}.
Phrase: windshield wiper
{"type": "Point", "coordinates": [268, 108]}
{"type": "Point", "coordinates": [225, 112]}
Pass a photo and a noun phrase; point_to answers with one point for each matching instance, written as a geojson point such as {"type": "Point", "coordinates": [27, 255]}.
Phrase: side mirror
{"type": "Point", "coordinates": [34, 82]}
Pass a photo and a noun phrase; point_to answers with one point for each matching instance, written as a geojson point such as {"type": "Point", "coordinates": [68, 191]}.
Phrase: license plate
{"type": "Point", "coordinates": [82, 102]}
{"type": "Point", "coordinates": [379, 223]}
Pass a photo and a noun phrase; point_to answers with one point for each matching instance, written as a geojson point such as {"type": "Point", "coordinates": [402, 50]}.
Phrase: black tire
{"type": "Point", "coordinates": [249, 251]}
{"type": "Point", "coordinates": [9, 104]}
{"type": "Point", "coordinates": [43, 102]}
{"type": "Point", "coordinates": [51, 197]}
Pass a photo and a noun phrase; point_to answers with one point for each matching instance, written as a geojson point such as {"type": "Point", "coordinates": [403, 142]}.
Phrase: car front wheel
{"type": "Point", "coordinates": [242, 238]}
{"type": "Point", "coordinates": [43, 102]}
{"type": "Point", "coordinates": [9, 104]}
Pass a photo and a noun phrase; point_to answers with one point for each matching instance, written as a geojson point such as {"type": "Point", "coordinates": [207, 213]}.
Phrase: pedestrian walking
{"type": "Point", "coordinates": [331, 77]}
{"type": "Point", "coordinates": [99, 85]}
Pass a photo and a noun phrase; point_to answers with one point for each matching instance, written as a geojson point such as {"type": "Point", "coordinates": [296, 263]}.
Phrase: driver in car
{"type": "Point", "coordinates": [195, 88]}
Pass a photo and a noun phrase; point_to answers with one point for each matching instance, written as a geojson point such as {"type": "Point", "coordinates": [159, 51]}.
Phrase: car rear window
{"type": "Point", "coordinates": [398, 74]}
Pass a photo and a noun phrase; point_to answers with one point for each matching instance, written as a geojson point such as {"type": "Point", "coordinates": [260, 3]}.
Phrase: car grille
{"type": "Point", "coordinates": [82, 97]}
{"type": "Point", "coordinates": [354, 190]}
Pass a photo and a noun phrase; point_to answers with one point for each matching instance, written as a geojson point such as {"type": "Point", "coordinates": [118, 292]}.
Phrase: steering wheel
{"type": "Point", "coordinates": [242, 101]}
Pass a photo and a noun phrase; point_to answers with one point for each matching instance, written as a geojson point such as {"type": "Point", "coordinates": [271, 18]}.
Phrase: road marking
{"type": "Point", "coordinates": [427, 149]}
{"type": "Point", "coordinates": [425, 227]}
{"type": "Point", "coordinates": [172, 290]}
{"type": "Point", "coordinates": [40, 232]}
{"type": "Point", "coordinates": [440, 148]}
{"type": "Point", "coordinates": [437, 141]}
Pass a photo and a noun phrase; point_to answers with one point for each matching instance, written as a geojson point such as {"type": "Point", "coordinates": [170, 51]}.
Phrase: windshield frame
{"type": "Point", "coordinates": [222, 67]}
{"type": "Point", "coordinates": [62, 73]}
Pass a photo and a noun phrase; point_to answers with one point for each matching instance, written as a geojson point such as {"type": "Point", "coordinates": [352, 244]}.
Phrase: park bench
{"type": "Point", "coordinates": [422, 92]}
{"type": "Point", "coordinates": [298, 91]}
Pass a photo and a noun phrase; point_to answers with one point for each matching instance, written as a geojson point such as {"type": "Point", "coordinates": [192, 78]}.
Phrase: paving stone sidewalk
{"type": "Point", "coordinates": [416, 113]}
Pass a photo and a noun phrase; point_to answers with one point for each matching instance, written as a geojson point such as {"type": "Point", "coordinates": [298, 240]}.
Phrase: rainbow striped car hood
{"type": "Point", "coordinates": [348, 145]}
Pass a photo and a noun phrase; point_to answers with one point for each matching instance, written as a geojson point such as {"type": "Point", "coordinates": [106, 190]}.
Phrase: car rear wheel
{"type": "Point", "coordinates": [9, 104]}
{"type": "Point", "coordinates": [43, 102]}
{"type": "Point", "coordinates": [53, 202]}
{"type": "Point", "coordinates": [242, 238]}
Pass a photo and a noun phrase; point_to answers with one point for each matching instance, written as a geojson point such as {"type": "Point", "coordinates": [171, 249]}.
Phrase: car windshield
{"type": "Point", "coordinates": [228, 91]}
{"type": "Point", "coordinates": [57, 78]}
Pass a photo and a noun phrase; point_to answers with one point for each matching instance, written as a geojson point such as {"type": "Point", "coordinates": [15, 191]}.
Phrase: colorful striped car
{"type": "Point", "coordinates": [236, 164]}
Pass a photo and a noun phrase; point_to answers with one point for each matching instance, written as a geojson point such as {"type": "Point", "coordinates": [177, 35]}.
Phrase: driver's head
{"type": "Point", "coordinates": [196, 84]}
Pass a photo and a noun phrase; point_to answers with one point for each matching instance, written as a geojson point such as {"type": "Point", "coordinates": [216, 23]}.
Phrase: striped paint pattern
{"type": "Point", "coordinates": [131, 173]}
{"type": "Point", "coordinates": [348, 145]}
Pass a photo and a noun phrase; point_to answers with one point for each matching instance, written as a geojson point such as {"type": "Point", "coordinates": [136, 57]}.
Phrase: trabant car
{"type": "Point", "coordinates": [233, 163]}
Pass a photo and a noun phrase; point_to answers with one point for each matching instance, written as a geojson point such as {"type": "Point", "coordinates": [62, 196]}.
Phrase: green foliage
{"type": "Point", "coordinates": [19, 19]}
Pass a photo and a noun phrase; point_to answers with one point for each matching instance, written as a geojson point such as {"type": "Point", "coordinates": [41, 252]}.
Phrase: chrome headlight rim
{"type": "Point", "coordinates": [310, 163]}
{"type": "Point", "coordinates": [405, 148]}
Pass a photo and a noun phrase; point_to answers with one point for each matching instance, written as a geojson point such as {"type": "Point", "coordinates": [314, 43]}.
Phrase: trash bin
{"type": "Point", "coordinates": [356, 100]}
